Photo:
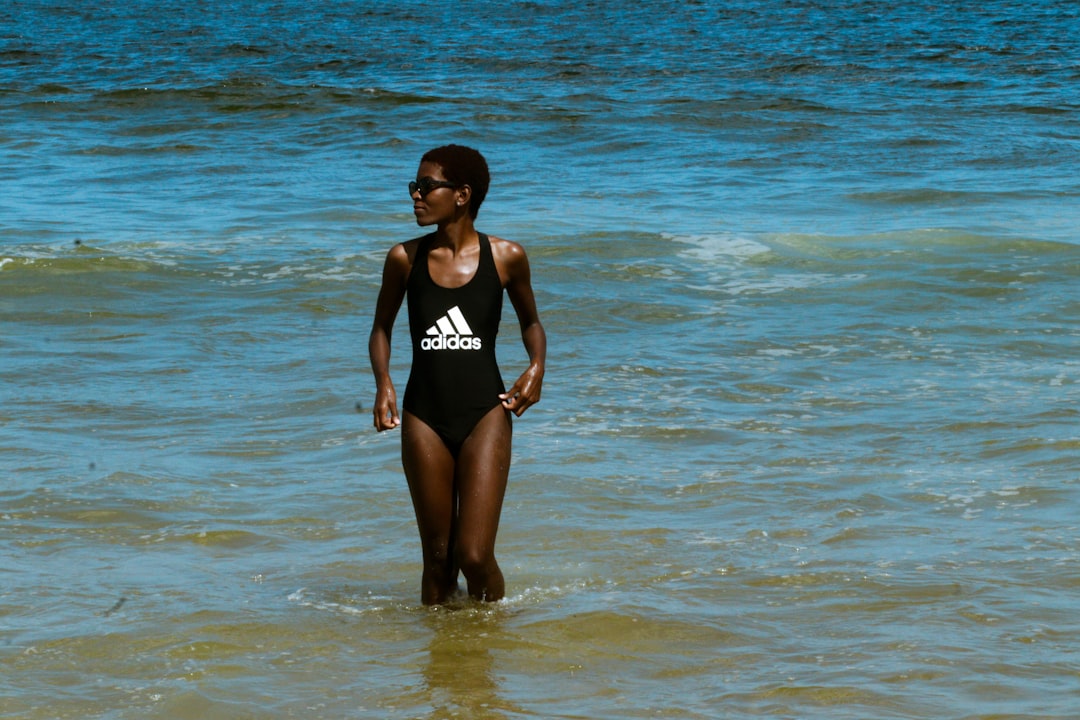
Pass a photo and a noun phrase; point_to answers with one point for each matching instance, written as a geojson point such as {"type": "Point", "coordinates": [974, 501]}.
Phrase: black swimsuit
{"type": "Point", "coordinates": [455, 378]}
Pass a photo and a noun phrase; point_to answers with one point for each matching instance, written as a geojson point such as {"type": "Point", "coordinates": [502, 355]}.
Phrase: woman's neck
{"type": "Point", "coordinates": [457, 234]}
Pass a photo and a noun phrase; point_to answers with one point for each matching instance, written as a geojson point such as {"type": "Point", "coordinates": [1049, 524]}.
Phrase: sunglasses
{"type": "Point", "coordinates": [426, 185]}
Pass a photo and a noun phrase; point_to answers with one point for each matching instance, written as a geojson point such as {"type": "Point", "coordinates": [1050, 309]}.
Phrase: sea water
{"type": "Point", "coordinates": [809, 442]}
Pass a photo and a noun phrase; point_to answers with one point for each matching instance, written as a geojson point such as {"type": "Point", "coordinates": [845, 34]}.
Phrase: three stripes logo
{"type": "Point", "coordinates": [450, 332]}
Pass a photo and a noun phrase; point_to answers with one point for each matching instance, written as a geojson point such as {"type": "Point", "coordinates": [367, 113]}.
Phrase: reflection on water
{"type": "Point", "coordinates": [460, 674]}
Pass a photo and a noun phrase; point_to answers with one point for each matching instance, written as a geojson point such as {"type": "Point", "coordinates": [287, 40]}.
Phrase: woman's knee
{"type": "Point", "coordinates": [476, 561]}
{"type": "Point", "coordinates": [436, 551]}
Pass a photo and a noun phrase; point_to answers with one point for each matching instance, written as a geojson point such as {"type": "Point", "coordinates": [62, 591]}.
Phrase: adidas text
{"type": "Point", "coordinates": [451, 342]}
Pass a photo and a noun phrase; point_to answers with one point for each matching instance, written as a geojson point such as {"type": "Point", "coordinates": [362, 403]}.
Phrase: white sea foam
{"type": "Point", "coordinates": [361, 605]}
{"type": "Point", "coordinates": [719, 247]}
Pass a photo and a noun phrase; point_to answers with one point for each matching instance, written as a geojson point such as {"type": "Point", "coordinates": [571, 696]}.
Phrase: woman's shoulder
{"type": "Point", "coordinates": [505, 250]}
{"type": "Point", "coordinates": [510, 260]}
{"type": "Point", "coordinates": [404, 253]}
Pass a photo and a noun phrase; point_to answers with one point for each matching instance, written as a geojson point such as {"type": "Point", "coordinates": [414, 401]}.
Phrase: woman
{"type": "Point", "coordinates": [455, 428]}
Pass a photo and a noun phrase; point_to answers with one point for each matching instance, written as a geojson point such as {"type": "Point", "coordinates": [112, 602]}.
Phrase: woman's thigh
{"type": "Point", "coordinates": [429, 470]}
{"type": "Point", "coordinates": [483, 466]}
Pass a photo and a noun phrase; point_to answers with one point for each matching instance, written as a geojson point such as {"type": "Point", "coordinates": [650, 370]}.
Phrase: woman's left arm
{"type": "Point", "coordinates": [526, 391]}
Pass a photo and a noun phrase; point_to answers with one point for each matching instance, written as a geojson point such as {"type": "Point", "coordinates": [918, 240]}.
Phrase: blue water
{"type": "Point", "coordinates": [808, 446]}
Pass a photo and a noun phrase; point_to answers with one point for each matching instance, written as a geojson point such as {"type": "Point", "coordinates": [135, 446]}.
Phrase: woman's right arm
{"type": "Point", "coordinates": [394, 279]}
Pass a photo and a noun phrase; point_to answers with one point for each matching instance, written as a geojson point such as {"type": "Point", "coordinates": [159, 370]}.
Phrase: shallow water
{"type": "Point", "coordinates": [808, 445]}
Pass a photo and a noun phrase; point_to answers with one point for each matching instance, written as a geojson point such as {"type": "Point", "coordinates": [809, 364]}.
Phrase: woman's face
{"type": "Point", "coordinates": [433, 202]}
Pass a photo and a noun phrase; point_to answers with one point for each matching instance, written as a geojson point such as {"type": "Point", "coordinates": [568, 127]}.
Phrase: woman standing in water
{"type": "Point", "coordinates": [455, 428]}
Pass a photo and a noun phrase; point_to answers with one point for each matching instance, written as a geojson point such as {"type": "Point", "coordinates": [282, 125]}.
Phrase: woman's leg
{"type": "Point", "coordinates": [429, 470]}
{"type": "Point", "coordinates": [483, 466]}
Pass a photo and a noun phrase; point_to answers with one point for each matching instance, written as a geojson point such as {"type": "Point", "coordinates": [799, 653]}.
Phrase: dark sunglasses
{"type": "Point", "coordinates": [426, 185]}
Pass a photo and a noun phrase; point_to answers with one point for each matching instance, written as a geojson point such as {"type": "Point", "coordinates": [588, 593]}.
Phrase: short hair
{"type": "Point", "coordinates": [463, 166]}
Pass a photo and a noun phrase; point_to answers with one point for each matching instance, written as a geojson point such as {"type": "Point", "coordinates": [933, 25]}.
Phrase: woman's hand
{"type": "Point", "coordinates": [525, 392]}
{"type": "Point", "coordinates": [386, 411]}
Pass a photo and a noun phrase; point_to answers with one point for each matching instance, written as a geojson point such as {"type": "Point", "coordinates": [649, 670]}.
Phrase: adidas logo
{"type": "Point", "coordinates": [450, 332]}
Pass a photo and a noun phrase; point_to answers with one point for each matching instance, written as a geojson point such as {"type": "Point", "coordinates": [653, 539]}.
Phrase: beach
{"type": "Point", "coordinates": [809, 442]}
